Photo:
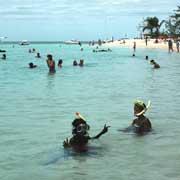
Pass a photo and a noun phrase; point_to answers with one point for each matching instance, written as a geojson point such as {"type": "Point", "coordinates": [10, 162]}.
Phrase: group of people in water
{"type": "Point", "coordinates": [152, 61]}
{"type": "Point", "coordinates": [80, 128]}
{"type": "Point", "coordinates": [51, 63]}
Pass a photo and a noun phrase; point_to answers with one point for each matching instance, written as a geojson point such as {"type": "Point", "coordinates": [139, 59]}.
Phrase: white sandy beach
{"type": "Point", "coordinates": [140, 43]}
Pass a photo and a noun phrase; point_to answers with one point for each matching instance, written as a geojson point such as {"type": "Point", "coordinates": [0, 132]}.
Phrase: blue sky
{"type": "Point", "coordinates": [77, 19]}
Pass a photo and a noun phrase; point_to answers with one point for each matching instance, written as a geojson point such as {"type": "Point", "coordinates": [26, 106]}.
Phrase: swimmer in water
{"type": "Point", "coordinates": [75, 63]}
{"type": "Point", "coordinates": [81, 62]}
{"type": "Point", "coordinates": [80, 134]}
{"type": "Point", "coordinates": [38, 55]}
{"type": "Point", "coordinates": [141, 124]}
{"type": "Point", "coordinates": [60, 62]}
{"type": "Point", "coordinates": [3, 57]}
{"type": "Point", "coordinates": [31, 65]}
{"type": "Point", "coordinates": [51, 63]}
{"type": "Point", "coordinates": [156, 65]}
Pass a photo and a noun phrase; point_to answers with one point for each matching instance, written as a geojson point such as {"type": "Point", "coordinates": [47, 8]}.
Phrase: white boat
{"type": "Point", "coordinates": [72, 42]}
{"type": "Point", "coordinates": [24, 42]}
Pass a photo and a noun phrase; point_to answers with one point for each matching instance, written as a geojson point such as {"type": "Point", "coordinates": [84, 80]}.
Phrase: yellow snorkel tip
{"type": "Point", "coordinates": [80, 116]}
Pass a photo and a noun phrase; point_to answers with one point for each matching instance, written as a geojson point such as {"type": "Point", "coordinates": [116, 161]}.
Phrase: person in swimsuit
{"type": "Point", "coordinates": [3, 57]}
{"type": "Point", "coordinates": [156, 65]}
{"type": "Point", "coordinates": [80, 134]}
{"type": "Point", "coordinates": [51, 63]}
{"type": "Point", "coordinates": [141, 124]}
{"type": "Point", "coordinates": [60, 62]}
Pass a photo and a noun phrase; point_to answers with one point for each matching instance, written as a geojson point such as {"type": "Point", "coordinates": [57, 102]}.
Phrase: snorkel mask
{"type": "Point", "coordinates": [80, 127]}
{"type": "Point", "coordinates": [140, 105]}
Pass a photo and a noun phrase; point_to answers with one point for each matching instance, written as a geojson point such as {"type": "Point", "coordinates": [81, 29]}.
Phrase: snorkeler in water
{"type": "Point", "coordinates": [141, 124]}
{"type": "Point", "coordinates": [80, 134]}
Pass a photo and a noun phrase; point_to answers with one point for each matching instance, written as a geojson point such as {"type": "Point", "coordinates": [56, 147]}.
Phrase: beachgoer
{"type": "Point", "coordinates": [81, 62]}
{"type": "Point", "coordinates": [75, 63]}
{"type": "Point", "coordinates": [38, 55]}
{"type": "Point", "coordinates": [30, 51]}
{"type": "Point", "coordinates": [141, 124]}
{"type": "Point", "coordinates": [31, 65]}
{"type": "Point", "coordinates": [156, 65]}
{"type": "Point", "coordinates": [51, 63]}
{"type": "Point", "coordinates": [60, 62]}
{"type": "Point", "coordinates": [79, 43]}
{"type": "Point", "coordinates": [81, 49]}
{"type": "Point", "coordinates": [146, 57]}
{"type": "Point", "coordinates": [146, 40]}
{"type": "Point", "coordinates": [33, 50]}
{"type": "Point", "coordinates": [3, 57]}
{"type": "Point", "coordinates": [170, 45]}
{"type": "Point", "coordinates": [134, 46]}
{"type": "Point", "coordinates": [133, 55]}
{"type": "Point", "coordinates": [177, 46]}
{"type": "Point", "coordinates": [80, 134]}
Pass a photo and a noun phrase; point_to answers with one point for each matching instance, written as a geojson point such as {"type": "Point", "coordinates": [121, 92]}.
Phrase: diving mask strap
{"type": "Point", "coordinates": [144, 110]}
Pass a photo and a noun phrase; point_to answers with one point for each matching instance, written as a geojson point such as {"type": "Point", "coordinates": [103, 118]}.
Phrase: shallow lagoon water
{"type": "Point", "coordinates": [36, 111]}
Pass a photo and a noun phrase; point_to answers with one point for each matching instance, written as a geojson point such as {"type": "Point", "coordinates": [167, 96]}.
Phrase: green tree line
{"type": "Point", "coordinates": [152, 26]}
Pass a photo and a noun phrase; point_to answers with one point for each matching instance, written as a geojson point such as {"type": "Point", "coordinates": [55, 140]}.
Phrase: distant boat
{"type": "Point", "coordinates": [24, 42]}
{"type": "Point", "coordinates": [72, 42]}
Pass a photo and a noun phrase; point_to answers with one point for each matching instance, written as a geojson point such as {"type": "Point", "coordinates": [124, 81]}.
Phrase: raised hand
{"type": "Point", "coordinates": [66, 143]}
{"type": "Point", "coordinates": [105, 129]}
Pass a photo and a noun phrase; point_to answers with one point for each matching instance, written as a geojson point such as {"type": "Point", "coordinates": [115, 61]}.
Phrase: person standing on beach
{"type": "Point", "coordinates": [134, 46]}
{"type": "Point", "coordinates": [51, 63]}
{"type": "Point", "coordinates": [177, 46]}
{"type": "Point", "coordinates": [170, 45]}
{"type": "Point", "coordinates": [146, 40]}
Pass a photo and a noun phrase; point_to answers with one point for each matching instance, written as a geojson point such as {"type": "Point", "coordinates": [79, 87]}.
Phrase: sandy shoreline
{"type": "Point", "coordinates": [140, 43]}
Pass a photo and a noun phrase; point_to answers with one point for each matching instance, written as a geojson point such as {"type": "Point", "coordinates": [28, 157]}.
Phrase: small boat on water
{"type": "Point", "coordinates": [24, 42]}
{"type": "Point", "coordinates": [72, 42]}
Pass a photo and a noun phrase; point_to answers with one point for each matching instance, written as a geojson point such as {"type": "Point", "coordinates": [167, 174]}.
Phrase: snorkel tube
{"type": "Point", "coordinates": [141, 103]}
{"type": "Point", "coordinates": [80, 116]}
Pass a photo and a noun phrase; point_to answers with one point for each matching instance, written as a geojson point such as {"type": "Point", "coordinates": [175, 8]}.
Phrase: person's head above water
{"type": "Point", "coordinates": [49, 56]}
{"type": "Point", "coordinates": [80, 127]}
{"type": "Point", "coordinates": [140, 108]}
{"type": "Point", "coordinates": [81, 62]}
{"type": "Point", "coordinates": [75, 63]}
{"type": "Point", "coordinates": [31, 65]}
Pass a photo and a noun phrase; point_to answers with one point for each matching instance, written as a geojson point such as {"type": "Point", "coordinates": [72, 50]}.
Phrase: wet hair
{"type": "Point", "coordinates": [75, 63]}
{"type": "Point", "coordinates": [31, 65]}
{"type": "Point", "coordinates": [49, 56]}
{"type": "Point", "coordinates": [60, 61]}
{"type": "Point", "coordinates": [78, 121]}
{"type": "Point", "coordinates": [152, 61]}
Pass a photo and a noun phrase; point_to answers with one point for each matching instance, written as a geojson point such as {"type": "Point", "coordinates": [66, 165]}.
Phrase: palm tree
{"type": "Point", "coordinates": [153, 25]}
{"type": "Point", "coordinates": [173, 24]}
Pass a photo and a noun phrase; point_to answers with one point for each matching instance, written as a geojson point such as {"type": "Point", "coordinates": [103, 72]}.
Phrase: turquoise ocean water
{"type": "Point", "coordinates": [36, 111]}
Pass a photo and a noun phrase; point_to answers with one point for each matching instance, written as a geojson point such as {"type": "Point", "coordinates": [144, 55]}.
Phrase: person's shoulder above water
{"type": "Point", "coordinates": [141, 124]}
{"type": "Point", "coordinates": [156, 65]}
{"type": "Point", "coordinates": [31, 65]}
